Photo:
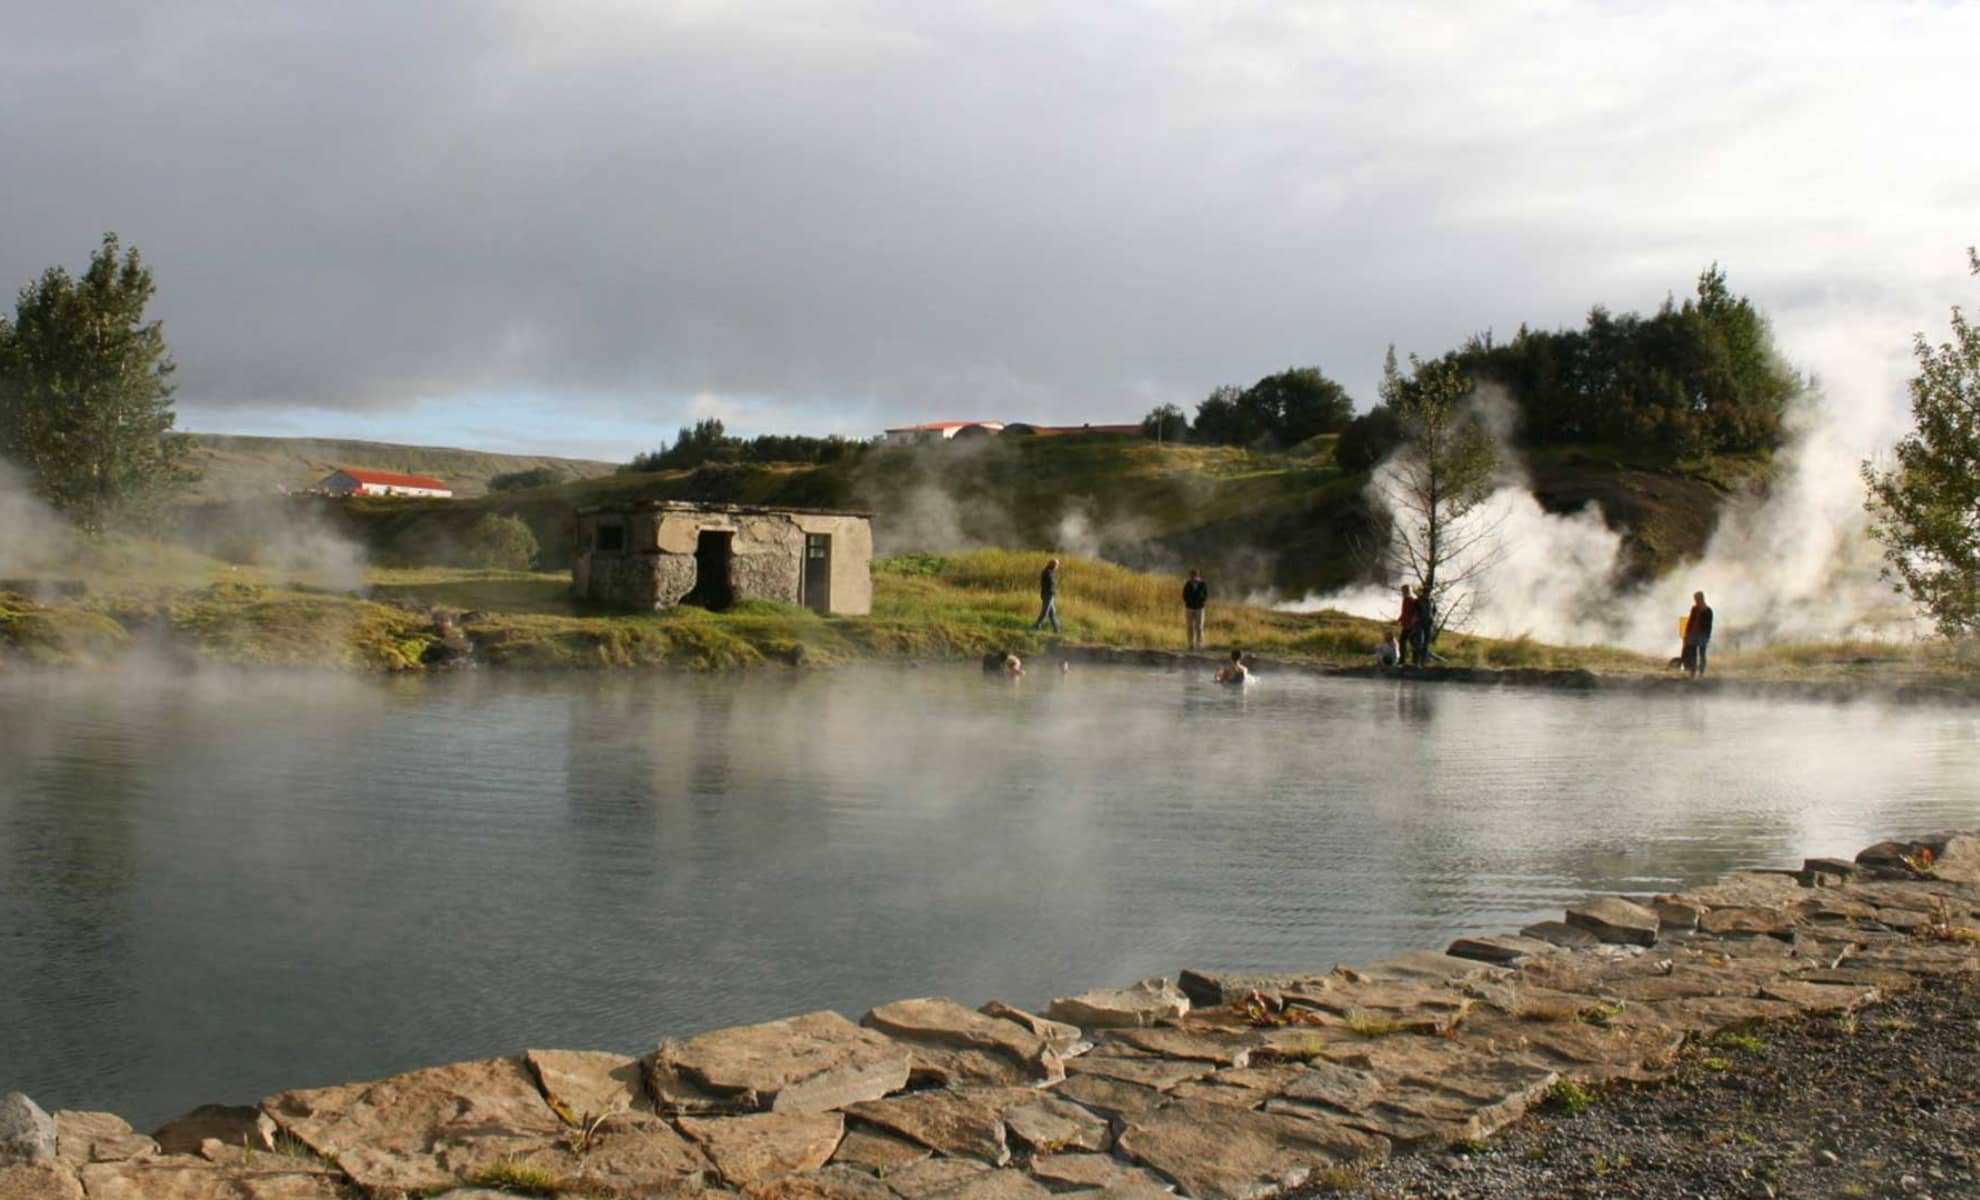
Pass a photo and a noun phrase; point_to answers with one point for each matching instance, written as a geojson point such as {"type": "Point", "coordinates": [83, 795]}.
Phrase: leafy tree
{"type": "Point", "coordinates": [1222, 421]}
{"type": "Point", "coordinates": [1368, 439]}
{"type": "Point", "coordinates": [85, 402]}
{"type": "Point", "coordinates": [1698, 378]}
{"type": "Point", "coordinates": [515, 481]}
{"type": "Point", "coordinates": [1282, 410]}
{"type": "Point", "coordinates": [1926, 506]}
{"type": "Point", "coordinates": [1299, 403]}
{"type": "Point", "coordinates": [1166, 423]}
{"type": "Point", "coordinates": [500, 542]}
{"type": "Point", "coordinates": [1435, 486]}
{"type": "Point", "coordinates": [707, 442]}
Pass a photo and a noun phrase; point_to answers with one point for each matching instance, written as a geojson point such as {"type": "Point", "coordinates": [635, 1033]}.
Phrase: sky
{"type": "Point", "coordinates": [570, 228]}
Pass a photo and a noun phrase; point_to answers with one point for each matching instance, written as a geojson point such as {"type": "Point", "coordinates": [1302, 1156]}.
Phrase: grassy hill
{"type": "Point", "coordinates": [240, 468]}
{"type": "Point", "coordinates": [1289, 521]}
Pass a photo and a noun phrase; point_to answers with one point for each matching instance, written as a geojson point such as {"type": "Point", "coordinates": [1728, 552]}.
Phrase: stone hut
{"type": "Point", "coordinates": [662, 553]}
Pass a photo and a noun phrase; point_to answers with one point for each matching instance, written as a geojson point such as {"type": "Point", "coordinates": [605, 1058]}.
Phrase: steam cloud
{"type": "Point", "coordinates": [32, 537]}
{"type": "Point", "coordinates": [1797, 564]}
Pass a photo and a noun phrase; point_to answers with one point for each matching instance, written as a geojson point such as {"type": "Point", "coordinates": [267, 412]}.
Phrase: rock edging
{"type": "Point", "coordinates": [1214, 1086]}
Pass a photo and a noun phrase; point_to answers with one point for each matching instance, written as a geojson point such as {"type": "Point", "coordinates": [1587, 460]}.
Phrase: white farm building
{"type": "Point", "coordinates": [359, 481]}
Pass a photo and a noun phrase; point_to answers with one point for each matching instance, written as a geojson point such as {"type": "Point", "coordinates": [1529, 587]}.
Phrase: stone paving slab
{"type": "Point", "coordinates": [753, 1150]}
{"type": "Point", "coordinates": [1215, 1152]}
{"type": "Point", "coordinates": [39, 1181]}
{"type": "Point", "coordinates": [811, 1063]}
{"type": "Point", "coordinates": [396, 1132]}
{"type": "Point", "coordinates": [87, 1137]}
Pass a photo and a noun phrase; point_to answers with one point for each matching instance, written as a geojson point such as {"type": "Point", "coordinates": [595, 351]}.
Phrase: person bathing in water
{"type": "Point", "coordinates": [1234, 673]}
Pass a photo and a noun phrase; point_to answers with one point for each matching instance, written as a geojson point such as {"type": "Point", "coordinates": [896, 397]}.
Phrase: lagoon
{"type": "Point", "coordinates": [217, 885]}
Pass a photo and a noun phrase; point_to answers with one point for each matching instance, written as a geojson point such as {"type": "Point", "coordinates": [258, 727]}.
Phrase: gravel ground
{"type": "Point", "coordinates": [1886, 1103]}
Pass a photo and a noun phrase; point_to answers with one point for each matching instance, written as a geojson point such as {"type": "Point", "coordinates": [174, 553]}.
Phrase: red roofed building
{"type": "Point", "coordinates": [360, 481]}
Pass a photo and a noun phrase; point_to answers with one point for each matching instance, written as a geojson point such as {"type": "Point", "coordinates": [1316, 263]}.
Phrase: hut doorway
{"type": "Point", "coordinates": [816, 593]}
{"type": "Point", "coordinates": [712, 587]}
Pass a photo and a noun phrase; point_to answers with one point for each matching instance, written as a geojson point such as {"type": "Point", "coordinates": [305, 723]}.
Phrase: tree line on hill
{"type": "Point", "coordinates": [1692, 379]}
{"type": "Point", "coordinates": [707, 441]}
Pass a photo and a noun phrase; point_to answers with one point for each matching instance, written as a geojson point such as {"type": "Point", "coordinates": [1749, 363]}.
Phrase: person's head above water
{"type": "Point", "coordinates": [1237, 656]}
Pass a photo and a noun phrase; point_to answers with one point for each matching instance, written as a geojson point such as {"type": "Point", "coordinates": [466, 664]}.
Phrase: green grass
{"type": "Point", "coordinates": [954, 606]}
{"type": "Point", "coordinates": [514, 1175]}
{"type": "Point", "coordinates": [1570, 1097]}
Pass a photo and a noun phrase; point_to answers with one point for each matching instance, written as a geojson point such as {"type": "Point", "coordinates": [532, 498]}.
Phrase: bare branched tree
{"type": "Point", "coordinates": [1441, 536]}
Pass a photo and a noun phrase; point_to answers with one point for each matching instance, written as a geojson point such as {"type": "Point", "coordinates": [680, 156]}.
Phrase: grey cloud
{"type": "Point", "coordinates": [905, 210]}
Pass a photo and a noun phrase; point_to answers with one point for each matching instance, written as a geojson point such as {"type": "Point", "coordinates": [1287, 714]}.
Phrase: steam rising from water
{"type": "Point", "coordinates": [31, 536]}
{"type": "Point", "coordinates": [1797, 564]}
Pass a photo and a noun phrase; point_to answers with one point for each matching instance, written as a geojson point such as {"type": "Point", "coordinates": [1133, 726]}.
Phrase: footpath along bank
{"type": "Point", "coordinates": [1213, 1086]}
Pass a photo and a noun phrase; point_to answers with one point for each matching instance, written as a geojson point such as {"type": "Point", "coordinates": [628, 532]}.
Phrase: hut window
{"type": "Point", "coordinates": [609, 539]}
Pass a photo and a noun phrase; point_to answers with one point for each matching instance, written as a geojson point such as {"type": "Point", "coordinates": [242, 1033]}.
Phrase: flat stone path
{"type": "Point", "coordinates": [1212, 1086]}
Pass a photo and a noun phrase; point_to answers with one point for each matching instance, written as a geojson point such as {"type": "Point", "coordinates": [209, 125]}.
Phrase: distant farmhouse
{"type": "Point", "coordinates": [943, 431]}
{"type": "Point", "coordinates": [357, 481]}
{"type": "Point", "coordinates": [660, 553]}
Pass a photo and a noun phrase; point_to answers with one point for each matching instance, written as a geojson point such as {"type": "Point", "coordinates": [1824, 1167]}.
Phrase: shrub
{"type": "Point", "coordinates": [500, 542]}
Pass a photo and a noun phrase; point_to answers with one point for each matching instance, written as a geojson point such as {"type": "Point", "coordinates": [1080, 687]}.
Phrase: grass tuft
{"type": "Point", "coordinates": [514, 1175]}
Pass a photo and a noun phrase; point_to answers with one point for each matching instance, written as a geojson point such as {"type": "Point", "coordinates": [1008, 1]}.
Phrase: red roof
{"type": "Point", "coordinates": [394, 479]}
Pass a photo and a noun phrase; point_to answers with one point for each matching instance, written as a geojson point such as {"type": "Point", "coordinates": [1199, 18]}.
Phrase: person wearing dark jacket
{"type": "Point", "coordinates": [1048, 593]}
{"type": "Point", "coordinates": [1697, 635]}
{"type": "Point", "coordinates": [1196, 594]}
{"type": "Point", "coordinates": [1406, 622]}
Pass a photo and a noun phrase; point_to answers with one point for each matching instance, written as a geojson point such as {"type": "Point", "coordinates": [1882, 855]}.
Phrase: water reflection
{"type": "Point", "coordinates": [214, 888]}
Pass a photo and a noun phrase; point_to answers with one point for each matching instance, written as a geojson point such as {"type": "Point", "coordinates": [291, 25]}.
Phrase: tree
{"type": "Point", "coordinates": [516, 481]}
{"type": "Point", "coordinates": [1299, 403]}
{"type": "Point", "coordinates": [1166, 423]}
{"type": "Point", "coordinates": [1434, 488]}
{"type": "Point", "coordinates": [1368, 439]}
{"type": "Point", "coordinates": [1926, 507]}
{"type": "Point", "coordinates": [85, 402]}
{"type": "Point", "coordinates": [500, 542]}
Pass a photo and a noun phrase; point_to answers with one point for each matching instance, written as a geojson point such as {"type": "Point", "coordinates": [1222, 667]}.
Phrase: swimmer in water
{"type": "Point", "coordinates": [1234, 673]}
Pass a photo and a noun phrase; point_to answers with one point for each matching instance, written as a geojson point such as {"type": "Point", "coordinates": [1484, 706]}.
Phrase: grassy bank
{"type": "Point", "coordinates": [148, 599]}
{"type": "Point", "coordinates": [145, 598]}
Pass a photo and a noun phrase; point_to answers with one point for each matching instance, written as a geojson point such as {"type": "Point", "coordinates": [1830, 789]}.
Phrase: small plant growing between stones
{"type": "Point", "coordinates": [1920, 863]}
{"type": "Point", "coordinates": [1570, 1097]}
{"type": "Point", "coordinates": [1940, 926]}
{"type": "Point", "coordinates": [1745, 1041]}
{"type": "Point", "coordinates": [584, 1132]}
{"type": "Point", "coordinates": [514, 1175]}
{"type": "Point", "coordinates": [1715, 1064]}
{"type": "Point", "coordinates": [1600, 1013]}
{"type": "Point", "coordinates": [1308, 1049]}
{"type": "Point", "coordinates": [1335, 1179]}
{"type": "Point", "coordinates": [1370, 1025]}
{"type": "Point", "coordinates": [1272, 1012]}
{"type": "Point", "coordinates": [1468, 1146]}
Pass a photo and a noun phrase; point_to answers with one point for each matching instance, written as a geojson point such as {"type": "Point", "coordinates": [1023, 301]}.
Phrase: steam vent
{"type": "Point", "coordinates": [662, 553]}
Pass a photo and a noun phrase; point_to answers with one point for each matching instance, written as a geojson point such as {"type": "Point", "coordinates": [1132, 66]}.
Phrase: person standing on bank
{"type": "Point", "coordinates": [1406, 622]}
{"type": "Point", "coordinates": [1697, 634]}
{"type": "Point", "coordinates": [1196, 594]}
{"type": "Point", "coordinates": [1048, 596]}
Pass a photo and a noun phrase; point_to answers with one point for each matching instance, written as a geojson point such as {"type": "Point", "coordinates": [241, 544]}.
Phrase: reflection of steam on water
{"type": "Point", "coordinates": [1795, 564]}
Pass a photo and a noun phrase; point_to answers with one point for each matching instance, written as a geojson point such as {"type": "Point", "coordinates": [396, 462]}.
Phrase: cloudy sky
{"type": "Point", "coordinates": [569, 227]}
